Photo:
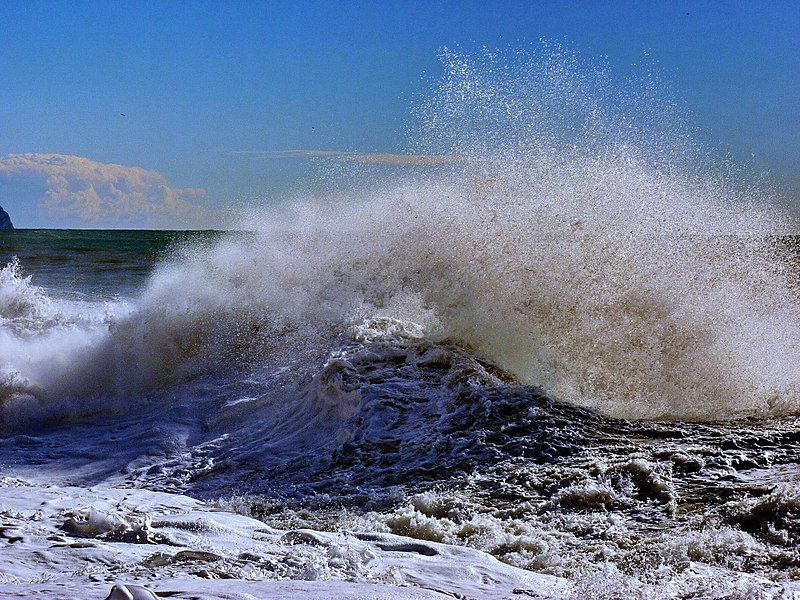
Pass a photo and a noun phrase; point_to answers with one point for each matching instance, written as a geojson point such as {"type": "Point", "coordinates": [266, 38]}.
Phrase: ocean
{"type": "Point", "coordinates": [378, 428]}
{"type": "Point", "coordinates": [563, 365]}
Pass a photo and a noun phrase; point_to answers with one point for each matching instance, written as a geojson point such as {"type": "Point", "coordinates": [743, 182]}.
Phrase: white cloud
{"type": "Point", "coordinates": [362, 157]}
{"type": "Point", "coordinates": [104, 194]}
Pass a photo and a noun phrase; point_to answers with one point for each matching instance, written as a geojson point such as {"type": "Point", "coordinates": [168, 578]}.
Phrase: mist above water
{"type": "Point", "coordinates": [583, 242]}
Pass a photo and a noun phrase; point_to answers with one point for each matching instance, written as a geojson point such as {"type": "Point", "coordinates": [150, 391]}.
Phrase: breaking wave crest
{"type": "Point", "coordinates": [576, 246]}
{"type": "Point", "coordinates": [42, 338]}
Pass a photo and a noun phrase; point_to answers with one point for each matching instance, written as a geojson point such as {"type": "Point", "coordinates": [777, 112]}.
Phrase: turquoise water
{"type": "Point", "coordinates": [93, 262]}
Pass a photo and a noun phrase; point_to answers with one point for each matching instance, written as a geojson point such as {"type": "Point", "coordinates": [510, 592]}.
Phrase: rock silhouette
{"type": "Point", "coordinates": [5, 220]}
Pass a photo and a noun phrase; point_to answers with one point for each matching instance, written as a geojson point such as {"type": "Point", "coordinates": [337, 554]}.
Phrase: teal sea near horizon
{"type": "Point", "coordinates": [118, 261]}
{"type": "Point", "coordinates": [102, 261]}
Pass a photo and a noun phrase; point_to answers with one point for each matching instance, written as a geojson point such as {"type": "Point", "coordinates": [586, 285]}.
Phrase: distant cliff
{"type": "Point", "coordinates": [5, 220]}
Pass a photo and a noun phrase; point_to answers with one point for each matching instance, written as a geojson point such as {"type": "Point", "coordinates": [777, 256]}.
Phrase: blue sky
{"type": "Point", "coordinates": [198, 82]}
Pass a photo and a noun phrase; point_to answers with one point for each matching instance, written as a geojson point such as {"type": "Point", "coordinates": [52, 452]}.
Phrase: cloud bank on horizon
{"type": "Point", "coordinates": [95, 194]}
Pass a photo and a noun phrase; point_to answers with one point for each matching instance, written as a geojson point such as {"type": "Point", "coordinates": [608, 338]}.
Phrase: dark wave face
{"type": "Point", "coordinates": [397, 433]}
{"type": "Point", "coordinates": [573, 344]}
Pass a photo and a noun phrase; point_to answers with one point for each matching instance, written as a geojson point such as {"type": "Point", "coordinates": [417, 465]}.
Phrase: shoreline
{"type": "Point", "coordinates": [72, 542]}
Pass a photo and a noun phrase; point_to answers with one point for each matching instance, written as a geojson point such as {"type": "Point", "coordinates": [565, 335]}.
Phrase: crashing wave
{"type": "Point", "coordinates": [576, 246]}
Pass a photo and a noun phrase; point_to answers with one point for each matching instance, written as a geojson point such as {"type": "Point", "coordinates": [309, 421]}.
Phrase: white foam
{"type": "Point", "coordinates": [188, 546]}
{"type": "Point", "coordinates": [43, 339]}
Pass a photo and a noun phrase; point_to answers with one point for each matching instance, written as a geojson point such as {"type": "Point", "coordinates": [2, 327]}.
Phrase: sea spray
{"type": "Point", "coordinates": [41, 339]}
{"type": "Point", "coordinates": [573, 244]}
